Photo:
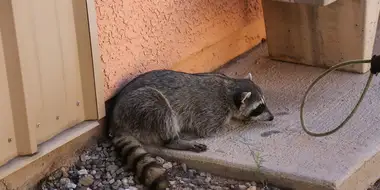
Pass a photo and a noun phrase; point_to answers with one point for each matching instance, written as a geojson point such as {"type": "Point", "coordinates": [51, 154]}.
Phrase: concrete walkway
{"type": "Point", "coordinates": [281, 152]}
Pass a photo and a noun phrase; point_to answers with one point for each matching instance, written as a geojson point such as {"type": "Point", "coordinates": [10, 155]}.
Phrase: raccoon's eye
{"type": "Point", "coordinates": [257, 111]}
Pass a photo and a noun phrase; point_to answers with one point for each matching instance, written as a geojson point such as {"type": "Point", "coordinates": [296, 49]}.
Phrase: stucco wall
{"type": "Point", "coordinates": [136, 36]}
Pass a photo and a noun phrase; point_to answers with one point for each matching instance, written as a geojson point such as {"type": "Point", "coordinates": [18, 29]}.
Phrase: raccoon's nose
{"type": "Point", "coordinates": [271, 118]}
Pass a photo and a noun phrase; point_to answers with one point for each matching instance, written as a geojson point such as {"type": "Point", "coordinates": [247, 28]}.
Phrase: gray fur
{"type": "Point", "coordinates": [157, 107]}
{"type": "Point", "coordinates": [160, 104]}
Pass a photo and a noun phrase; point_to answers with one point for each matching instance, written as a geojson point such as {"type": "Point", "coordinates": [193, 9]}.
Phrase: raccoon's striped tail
{"type": "Point", "coordinates": [146, 169]}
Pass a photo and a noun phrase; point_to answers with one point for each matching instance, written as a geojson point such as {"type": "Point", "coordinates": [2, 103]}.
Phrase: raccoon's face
{"type": "Point", "coordinates": [251, 104]}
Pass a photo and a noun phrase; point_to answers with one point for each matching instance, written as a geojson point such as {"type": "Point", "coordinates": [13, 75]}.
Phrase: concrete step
{"type": "Point", "coordinates": [280, 152]}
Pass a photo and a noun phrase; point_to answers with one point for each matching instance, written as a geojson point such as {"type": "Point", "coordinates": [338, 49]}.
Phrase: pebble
{"type": "Point", "coordinates": [184, 167]}
{"type": "Point", "coordinates": [71, 186]}
{"type": "Point", "coordinates": [167, 165]}
{"type": "Point", "coordinates": [108, 176]}
{"type": "Point", "coordinates": [119, 171]}
{"type": "Point", "coordinates": [100, 168]}
{"type": "Point", "coordinates": [83, 157]}
{"type": "Point", "coordinates": [125, 181]}
{"type": "Point", "coordinates": [82, 172]}
{"type": "Point", "coordinates": [64, 172]}
{"type": "Point", "coordinates": [106, 145]}
{"type": "Point", "coordinates": [160, 160]}
{"type": "Point", "coordinates": [112, 168]}
{"type": "Point", "coordinates": [64, 181]}
{"type": "Point", "coordinates": [86, 180]}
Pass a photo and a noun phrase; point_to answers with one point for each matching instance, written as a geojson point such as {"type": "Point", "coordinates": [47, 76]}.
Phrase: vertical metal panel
{"type": "Point", "coordinates": [51, 60]}
{"type": "Point", "coordinates": [85, 59]}
{"type": "Point", "coordinates": [7, 136]}
{"type": "Point", "coordinates": [12, 40]}
{"type": "Point", "coordinates": [47, 79]}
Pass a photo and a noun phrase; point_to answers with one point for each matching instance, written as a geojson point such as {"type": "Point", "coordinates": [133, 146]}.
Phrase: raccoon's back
{"type": "Point", "coordinates": [174, 84]}
{"type": "Point", "coordinates": [194, 97]}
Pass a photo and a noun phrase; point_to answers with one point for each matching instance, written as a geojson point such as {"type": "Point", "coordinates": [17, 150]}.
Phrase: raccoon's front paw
{"type": "Point", "coordinates": [198, 147]}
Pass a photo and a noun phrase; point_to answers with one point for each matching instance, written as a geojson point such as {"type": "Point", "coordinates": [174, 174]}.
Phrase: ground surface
{"type": "Point", "coordinates": [279, 151]}
{"type": "Point", "coordinates": [100, 168]}
{"type": "Point", "coordinates": [345, 160]}
{"type": "Point", "coordinates": [282, 151]}
{"type": "Point", "coordinates": [286, 154]}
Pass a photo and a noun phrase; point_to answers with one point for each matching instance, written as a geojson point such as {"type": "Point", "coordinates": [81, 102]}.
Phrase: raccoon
{"type": "Point", "coordinates": [159, 106]}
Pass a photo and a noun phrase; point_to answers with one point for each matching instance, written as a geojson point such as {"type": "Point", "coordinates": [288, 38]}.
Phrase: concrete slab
{"type": "Point", "coordinates": [346, 160]}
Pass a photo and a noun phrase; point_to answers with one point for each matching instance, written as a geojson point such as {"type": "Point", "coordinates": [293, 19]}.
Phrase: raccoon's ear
{"type": "Point", "coordinates": [249, 76]}
{"type": "Point", "coordinates": [244, 96]}
{"type": "Point", "coordinates": [240, 97]}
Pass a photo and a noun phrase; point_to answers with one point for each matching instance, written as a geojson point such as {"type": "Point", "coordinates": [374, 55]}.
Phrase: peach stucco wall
{"type": "Point", "coordinates": [136, 36]}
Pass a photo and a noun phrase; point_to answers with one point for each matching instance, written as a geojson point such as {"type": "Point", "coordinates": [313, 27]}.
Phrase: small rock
{"type": "Point", "coordinates": [64, 181]}
{"type": "Point", "coordinates": [131, 181]}
{"type": "Point", "coordinates": [84, 188]}
{"type": "Point", "coordinates": [106, 145]}
{"type": "Point", "coordinates": [184, 167]}
{"type": "Point", "coordinates": [160, 160]}
{"type": "Point", "coordinates": [208, 179]}
{"type": "Point", "coordinates": [172, 182]}
{"type": "Point", "coordinates": [112, 158]}
{"type": "Point", "coordinates": [125, 181]}
{"type": "Point", "coordinates": [116, 185]}
{"type": "Point", "coordinates": [133, 188]}
{"type": "Point", "coordinates": [112, 168]}
{"type": "Point", "coordinates": [71, 186]}
{"type": "Point", "coordinates": [108, 176]}
{"type": "Point", "coordinates": [111, 181]}
{"type": "Point", "coordinates": [98, 176]}
{"type": "Point", "coordinates": [84, 157]}
{"type": "Point", "coordinates": [95, 157]}
{"type": "Point", "coordinates": [64, 172]}
{"type": "Point", "coordinates": [216, 187]}
{"type": "Point", "coordinates": [191, 173]}
{"type": "Point", "coordinates": [252, 188]}
{"type": "Point", "coordinates": [82, 172]}
{"type": "Point", "coordinates": [167, 165]}
{"type": "Point", "coordinates": [119, 171]}
{"type": "Point", "coordinates": [202, 174]}
{"type": "Point", "coordinates": [86, 180]}
{"type": "Point", "coordinates": [242, 187]}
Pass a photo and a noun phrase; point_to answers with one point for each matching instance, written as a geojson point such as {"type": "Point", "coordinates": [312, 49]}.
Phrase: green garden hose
{"type": "Point", "coordinates": [375, 68]}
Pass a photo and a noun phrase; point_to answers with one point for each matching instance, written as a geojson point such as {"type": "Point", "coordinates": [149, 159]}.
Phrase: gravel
{"type": "Point", "coordinates": [99, 167]}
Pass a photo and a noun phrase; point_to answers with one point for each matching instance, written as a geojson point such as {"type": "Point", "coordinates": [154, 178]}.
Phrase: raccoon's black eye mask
{"type": "Point", "coordinates": [257, 111]}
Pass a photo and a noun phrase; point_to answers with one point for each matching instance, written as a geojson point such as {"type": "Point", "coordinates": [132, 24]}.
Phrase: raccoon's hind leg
{"type": "Point", "coordinates": [147, 112]}
{"type": "Point", "coordinates": [180, 144]}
